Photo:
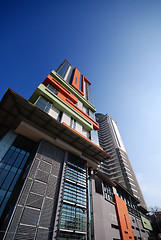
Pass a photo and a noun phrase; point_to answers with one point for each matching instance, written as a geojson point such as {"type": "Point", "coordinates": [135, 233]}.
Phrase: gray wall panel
{"type": "Point", "coordinates": [104, 215]}
{"type": "Point", "coordinates": [36, 207]}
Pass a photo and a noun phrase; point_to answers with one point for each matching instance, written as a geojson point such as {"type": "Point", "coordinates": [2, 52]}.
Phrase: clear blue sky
{"type": "Point", "coordinates": [116, 44]}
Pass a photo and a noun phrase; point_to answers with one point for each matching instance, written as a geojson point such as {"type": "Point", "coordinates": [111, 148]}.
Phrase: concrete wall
{"type": "Point", "coordinates": [106, 226]}
{"type": "Point", "coordinates": [104, 214]}
{"type": "Point", "coordinates": [138, 228]}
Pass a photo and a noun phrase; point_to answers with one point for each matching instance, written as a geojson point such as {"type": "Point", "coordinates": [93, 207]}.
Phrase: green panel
{"type": "Point", "coordinates": [146, 223]}
{"type": "Point", "coordinates": [60, 105]}
{"type": "Point", "coordinates": [73, 91]}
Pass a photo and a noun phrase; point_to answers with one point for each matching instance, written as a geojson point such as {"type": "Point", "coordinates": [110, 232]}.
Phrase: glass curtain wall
{"type": "Point", "coordinates": [73, 219]}
{"type": "Point", "coordinates": [11, 167]}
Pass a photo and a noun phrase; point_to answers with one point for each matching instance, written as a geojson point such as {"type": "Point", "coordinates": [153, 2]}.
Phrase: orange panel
{"type": "Point", "coordinates": [76, 81]}
{"type": "Point", "coordinates": [69, 98]}
{"type": "Point", "coordinates": [86, 80]}
{"type": "Point", "coordinates": [124, 219]}
{"type": "Point", "coordinates": [60, 88]}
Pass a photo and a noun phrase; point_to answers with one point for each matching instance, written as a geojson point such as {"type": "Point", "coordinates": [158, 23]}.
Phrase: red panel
{"type": "Point", "coordinates": [124, 219]}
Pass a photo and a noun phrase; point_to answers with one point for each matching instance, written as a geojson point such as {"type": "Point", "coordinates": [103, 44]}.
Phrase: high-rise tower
{"type": "Point", "coordinates": [118, 167]}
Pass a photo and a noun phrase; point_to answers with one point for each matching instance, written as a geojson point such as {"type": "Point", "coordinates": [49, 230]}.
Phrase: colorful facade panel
{"type": "Point", "coordinates": [123, 219]}
{"type": "Point", "coordinates": [146, 223]}
{"type": "Point", "coordinates": [73, 91]}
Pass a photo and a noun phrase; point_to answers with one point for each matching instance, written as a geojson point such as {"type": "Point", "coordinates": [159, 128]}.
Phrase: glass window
{"type": "Point", "coordinates": [74, 217]}
{"type": "Point", "coordinates": [7, 167]}
{"type": "Point", "coordinates": [14, 182]}
{"type": "Point", "coordinates": [13, 157]}
{"type": "Point", "coordinates": [43, 104]}
{"type": "Point", "coordinates": [2, 166]}
{"type": "Point", "coordinates": [94, 137]}
{"type": "Point", "coordinates": [3, 176]}
{"type": "Point", "coordinates": [108, 192]}
{"type": "Point", "coordinates": [80, 82]}
{"type": "Point", "coordinates": [19, 159]}
{"type": "Point", "coordinates": [24, 160]}
{"type": "Point", "coordinates": [53, 89]}
{"type": "Point", "coordinates": [85, 110]}
{"type": "Point", "coordinates": [2, 194]}
{"type": "Point", "coordinates": [10, 170]}
{"type": "Point", "coordinates": [8, 155]}
{"type": "Point", "coordinates": [8, 180]}
{"type": "Point", "coordinates": [60, 116]}
{"type": "Point", "coordinates": [72, 123]}
{"type": "Point", "coordinates": [63, 69]}
{"type": "Point", "coordinates": [89, 93]}
{"type": "Point", "coordinates": [92, 115]}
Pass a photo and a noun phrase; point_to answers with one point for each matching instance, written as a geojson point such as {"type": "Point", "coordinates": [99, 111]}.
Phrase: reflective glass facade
{"type": "Point", "coordinates": [63, 69]}
{"type": "Point", "coordinates": [11, 167]}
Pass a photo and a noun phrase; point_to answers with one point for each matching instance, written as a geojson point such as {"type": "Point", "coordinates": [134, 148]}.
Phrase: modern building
{"type": "Point", "coordinates": [118, 167]}
{"type": "Point", "coordinates": [51, 187]}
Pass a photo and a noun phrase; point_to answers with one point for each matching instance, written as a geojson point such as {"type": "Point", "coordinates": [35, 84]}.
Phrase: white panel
{"type": "Point", "coordinates": [80, 105]}
{"type": "Point", "coordinates": [66, 118]}
{"type": "Point", "coordinates": [84, 133]}
{"type": "Point", "coordinates": [78, 127]}
{"type": "Point", "coordinates": [84, 110]}
{"type": "Point", "coordinates": [54, 112]}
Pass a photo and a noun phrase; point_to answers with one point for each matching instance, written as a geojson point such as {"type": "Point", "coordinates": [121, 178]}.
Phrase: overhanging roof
{"type": "Point", "coordinates": [104, 177]}
{"type": "Point", "coordinates": [14, 108]}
